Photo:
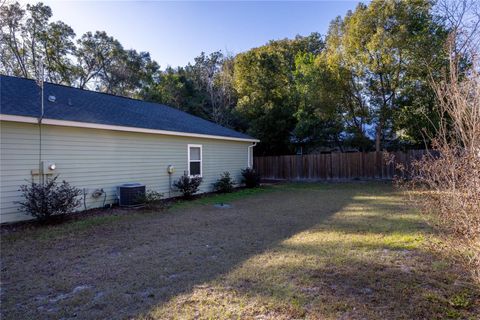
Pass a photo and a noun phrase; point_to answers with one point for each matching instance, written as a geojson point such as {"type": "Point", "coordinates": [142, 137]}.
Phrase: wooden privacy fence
{"type": "Point", "coordinates": [352, 165]}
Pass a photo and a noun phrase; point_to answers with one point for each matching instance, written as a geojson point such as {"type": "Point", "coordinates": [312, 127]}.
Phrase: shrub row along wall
{"type": "Point", "coordinates": [355, 165]}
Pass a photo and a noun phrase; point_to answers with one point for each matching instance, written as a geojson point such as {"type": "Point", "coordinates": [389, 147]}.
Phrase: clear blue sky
{"type": "Point", "coordinates": [176, 32]}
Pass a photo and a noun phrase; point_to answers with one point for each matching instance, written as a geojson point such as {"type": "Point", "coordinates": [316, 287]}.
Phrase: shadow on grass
{"type": "Point", "coordinates": [125, 267]}
{"type": "Point", "coordinates": [363, 290]}
{"type": "Point", "coordinates": [368, 261]}
{"type": "Point", "coordinates": [370, 264]}
{"type": "Point", "coordinates": [261, 247]}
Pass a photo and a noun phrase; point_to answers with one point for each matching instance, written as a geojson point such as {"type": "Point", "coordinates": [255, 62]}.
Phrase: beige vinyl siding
{"type": "Point", "coordinates": [93, 158]}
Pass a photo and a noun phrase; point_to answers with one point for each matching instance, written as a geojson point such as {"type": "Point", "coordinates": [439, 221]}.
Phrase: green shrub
{"type": "Point", "coordinates": [251, 178]}
{"type": "Point", "coordinates": [152, 199]}
{"type": "Point", "coordinates": [225, 184]}
{"type": "Point", "coordinates": [187, 185]}
{"type": "Point", "coordinates": [43, 201]}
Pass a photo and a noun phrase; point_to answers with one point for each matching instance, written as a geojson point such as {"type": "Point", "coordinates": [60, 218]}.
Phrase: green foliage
{"type": "Point", "coordinates": [187, 185]}
{"type": "Point", "coordinates": [250, 178]}
{"type": "Point", "coordinates": [96, 61]}
{"type": "Point", "coordinates": [268, 100]}
{"type": "Point", "coordinates": [43, 201]}
{"type": "Point", "coordinates": [151, 199]}
{"type": "Point", "coordinates": [385, 50]}
{"type": "Point", "coordinates": [461, 300]}
{"type": "Point", "coordinates": [204, 88]}
{"type": "Point", "coordinates": [103, 60]}
{"type": "Point", "coordinates": [216, 198]}
{"type": "Point", "coordinates": [225, 184]}
{"type": "Point", "coordinates": [318, 115]}
{"type": "Point", "coordinates": [366, 83]}
{"type": "Point", "coordinates": [28, 36]}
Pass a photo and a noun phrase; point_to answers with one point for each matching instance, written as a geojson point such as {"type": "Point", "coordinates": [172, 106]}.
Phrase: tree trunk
{"type": "Point", "coordinates": [378, 135]}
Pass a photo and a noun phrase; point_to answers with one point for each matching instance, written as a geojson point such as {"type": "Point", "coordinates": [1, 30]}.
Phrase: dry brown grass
{"type": "Point", "coordinates": [313, 251]}
{"type": "Point", "coordinates": [448, 176]}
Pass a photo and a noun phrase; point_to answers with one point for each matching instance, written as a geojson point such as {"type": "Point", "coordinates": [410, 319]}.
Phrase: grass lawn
{"type": "Point", "coordinates": [293, 251]}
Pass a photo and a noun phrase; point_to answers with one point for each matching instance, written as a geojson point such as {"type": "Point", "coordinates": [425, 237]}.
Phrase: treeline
{"type": "Point", "coordinates": [363, 86]}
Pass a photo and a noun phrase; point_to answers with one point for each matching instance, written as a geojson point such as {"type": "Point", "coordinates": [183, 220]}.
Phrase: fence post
{"type": "Point", "coordinates": [366, 165]}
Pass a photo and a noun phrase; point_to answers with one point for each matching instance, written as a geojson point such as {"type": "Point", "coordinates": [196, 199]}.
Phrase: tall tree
{"type": "Point", "coordinates": [264, 85]}
{"type": "Point", "coordinates": [225, 94]}
{"type": "Point", "coordinates": [320, 111]}
{"type": "Point", "coordinates": [204, 88]}
{"type": "Point", "coordinates": [28, 38]}
{"type": "Point", "coordinates": [12, 53]}
{"type": "Point", "coordinates": [213, 78]}
{"type": "Point", "coordinates": [369, 81]}
{"type": "Point", "coordinates": [96, 52]}
{"type": "Point", "coordinates": [105, 65]}
{"type": "Point", "coordinates": [268, 98]}
{"type": "Point", "coordinates": [384, 45]}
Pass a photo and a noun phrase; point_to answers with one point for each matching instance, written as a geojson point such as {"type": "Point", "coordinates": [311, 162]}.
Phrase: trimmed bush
{"type": "Point", "coordinates": [187, 185]}
{"type": "Point", "coordinates": [251, 178]}
{"type": "Point", "coordinates": [152, 199]}
{"type": "Point", "coordinates": [43, 201]}
{"type": "Point", "coordinates": [225, 184]}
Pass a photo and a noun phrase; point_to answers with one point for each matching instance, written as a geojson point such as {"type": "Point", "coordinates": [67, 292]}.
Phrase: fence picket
{"type": "Point", "coordinates": [354, 165]}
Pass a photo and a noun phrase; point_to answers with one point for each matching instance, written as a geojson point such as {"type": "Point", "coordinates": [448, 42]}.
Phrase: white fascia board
{"type": "Point", "coordinates": [76, 124]}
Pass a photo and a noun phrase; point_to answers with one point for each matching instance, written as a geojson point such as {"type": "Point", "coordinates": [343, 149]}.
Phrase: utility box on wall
{"type": "Point", "coordinates": [49, 167]}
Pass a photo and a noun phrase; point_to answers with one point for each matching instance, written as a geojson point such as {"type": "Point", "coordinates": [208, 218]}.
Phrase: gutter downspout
{"type": "Point", "coordinates": [250, 152]}
{"type": "Point", "coordinates": [42, 113]}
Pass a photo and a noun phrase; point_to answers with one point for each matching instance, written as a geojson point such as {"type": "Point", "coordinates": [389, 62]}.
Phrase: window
{"type": "Point", "coordinates": [195, 160]}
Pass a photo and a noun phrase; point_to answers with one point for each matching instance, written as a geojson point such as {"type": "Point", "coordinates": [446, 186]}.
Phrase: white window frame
{"type": "Point", "coordinates": [201, 159]}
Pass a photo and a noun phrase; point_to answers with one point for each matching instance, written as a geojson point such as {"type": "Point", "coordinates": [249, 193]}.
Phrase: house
{"type": "Point", "coordinates": [99, 141]}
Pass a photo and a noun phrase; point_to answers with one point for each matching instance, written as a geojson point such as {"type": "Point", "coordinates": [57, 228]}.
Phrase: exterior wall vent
{"type": "Point", "coordinates": [131, 194]}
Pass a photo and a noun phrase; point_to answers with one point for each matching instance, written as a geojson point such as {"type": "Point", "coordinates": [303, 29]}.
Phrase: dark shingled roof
{"type": "Point", "coordinates": [21, 97]}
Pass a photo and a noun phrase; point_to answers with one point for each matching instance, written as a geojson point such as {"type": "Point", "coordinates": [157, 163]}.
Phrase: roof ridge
{"type": "Point", "coordinates": [85, 90]}
{"type": "Point", "coordinates": [121, 97]}
{"type": "Point", "coordinates": [117, 96]}
{"type": "Point", "coordinates": [165, 117]}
